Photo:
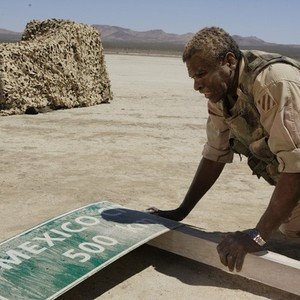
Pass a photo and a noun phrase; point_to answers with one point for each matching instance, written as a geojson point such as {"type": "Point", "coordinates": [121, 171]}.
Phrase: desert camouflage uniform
{"type": "Point", "coordinates": [264, 123]}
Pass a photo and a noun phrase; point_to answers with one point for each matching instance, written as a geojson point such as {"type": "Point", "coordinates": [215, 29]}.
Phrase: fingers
{"type": "Point", "coordinates": [226, 258]}
{"type": "Point", "coordinates": [232, 252]}
{"type": "Point", "coordinates": [232, 261]}
{"type": "Point", "coordinates": [223, 255]}
{"type": "Point", "coordinates": [240, 261]}
{"type": "Point", "coordinates": [152, 210]}
{"type": "Point", "coordinates": [173, 214]}
{"type": "Point", "coordinates": [235, 261]}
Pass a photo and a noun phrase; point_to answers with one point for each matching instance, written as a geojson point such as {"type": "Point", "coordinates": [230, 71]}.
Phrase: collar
{"type": "Point", "coordinates": [241, 69]}
{"type": "Point", "coordinates": [240, 88]}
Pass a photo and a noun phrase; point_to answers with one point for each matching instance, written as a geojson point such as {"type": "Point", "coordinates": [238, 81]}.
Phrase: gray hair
{"type": "Point", "coordinates": [213, 43]}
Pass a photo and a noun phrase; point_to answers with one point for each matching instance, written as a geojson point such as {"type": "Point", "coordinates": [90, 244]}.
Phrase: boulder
{"type": "Point", "coordinates": [57, 64]}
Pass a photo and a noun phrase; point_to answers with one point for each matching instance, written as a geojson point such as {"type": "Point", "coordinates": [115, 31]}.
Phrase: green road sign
{"type": "Point", "coordinates": [49, 259]}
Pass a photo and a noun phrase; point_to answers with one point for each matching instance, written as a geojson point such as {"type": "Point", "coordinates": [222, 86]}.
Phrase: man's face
{"type": "Point", "coordinates": [213, 79]}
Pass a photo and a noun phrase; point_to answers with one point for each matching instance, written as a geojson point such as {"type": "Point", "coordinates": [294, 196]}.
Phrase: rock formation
{"type": "Point", "coordinates": [57, 64]}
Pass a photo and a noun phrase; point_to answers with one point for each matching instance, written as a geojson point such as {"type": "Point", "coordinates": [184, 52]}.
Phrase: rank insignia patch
{"type": "Point", "coordinates": [266, 102]}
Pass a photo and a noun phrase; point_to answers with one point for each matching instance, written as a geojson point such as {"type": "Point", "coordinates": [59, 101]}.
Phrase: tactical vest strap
{"type": "Point", "coordinates": [260, 169]}
{"type": "Point", "coordinates": [262, 166]}
{"type": "Point", "coordinates": [256, 61]}
{"type": "Point", "coordinates": [261, 160]}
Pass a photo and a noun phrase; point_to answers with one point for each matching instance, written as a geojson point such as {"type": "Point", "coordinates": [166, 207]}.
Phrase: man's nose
{"type": "Point", "coordinates": [198, 86]}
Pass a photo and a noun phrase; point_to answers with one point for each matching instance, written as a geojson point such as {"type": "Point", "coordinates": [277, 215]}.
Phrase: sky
{"type": "Point", "coordinates": [276, 21]}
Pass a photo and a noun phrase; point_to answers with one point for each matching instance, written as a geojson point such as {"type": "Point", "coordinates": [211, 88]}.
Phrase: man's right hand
{"type": "Point", "coordinates": [175, 214]}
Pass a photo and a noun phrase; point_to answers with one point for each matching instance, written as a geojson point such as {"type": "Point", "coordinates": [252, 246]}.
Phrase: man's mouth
{"type": "Point", "coordinates": [207, 95]}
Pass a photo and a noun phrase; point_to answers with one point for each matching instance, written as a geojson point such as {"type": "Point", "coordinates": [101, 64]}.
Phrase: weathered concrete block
{"type": "Point", "coordinates": [57, 64]}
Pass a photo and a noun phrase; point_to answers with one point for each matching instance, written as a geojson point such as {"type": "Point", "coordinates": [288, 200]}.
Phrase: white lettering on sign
{"type": "Point", "coordinates": [70, 254]}
{"type": "Point", "coordinates": [65, 227]}
{"type": "Point", "coordinates": [49, 240]}
{"type": "Point", "coordinates": [91, 248]}
{"type": "Point", "coordinates": [84, 220]}
{"type": "Point", "coordinates": [61, 233]}
{"type": "Point", "coordinates": [31, 248]}
{"type": "Point", "coordinates": [67, 230]}
{"type": "Point", "coordinates": [104, 240]}
{"type": "Point", "coordinates": [14, 259]}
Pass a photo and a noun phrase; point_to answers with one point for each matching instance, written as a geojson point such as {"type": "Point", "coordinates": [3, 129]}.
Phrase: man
{"type": "Point", "coordinates": [254, 110]}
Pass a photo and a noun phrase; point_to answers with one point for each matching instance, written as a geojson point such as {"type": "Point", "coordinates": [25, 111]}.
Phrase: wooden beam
{"type": "Point", "coordinates": [266, 267]}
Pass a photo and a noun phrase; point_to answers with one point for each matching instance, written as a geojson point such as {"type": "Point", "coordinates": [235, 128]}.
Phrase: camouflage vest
{"type": "Point", "coordinates": [248, 135]}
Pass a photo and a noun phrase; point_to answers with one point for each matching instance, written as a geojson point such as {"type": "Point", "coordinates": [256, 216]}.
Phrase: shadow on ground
{"type": "Point", "coordinates": [189, 272]}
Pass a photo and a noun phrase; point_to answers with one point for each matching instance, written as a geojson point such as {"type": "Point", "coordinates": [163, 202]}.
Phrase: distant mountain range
{"type": "Point", "coordinates": [114, 37]}
{"type": "Point", "coordinates": [119, 37]}
{"type": "Point", "coordinates": [9, 36]}
{"type": "Point", "coordinates": [114, 33]}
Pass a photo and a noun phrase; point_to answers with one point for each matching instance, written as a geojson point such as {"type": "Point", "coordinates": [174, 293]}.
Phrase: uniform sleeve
{"type": "Point", "coordinates": [217, 146]}
{"type": "Point", "coordinates": [277, 97]}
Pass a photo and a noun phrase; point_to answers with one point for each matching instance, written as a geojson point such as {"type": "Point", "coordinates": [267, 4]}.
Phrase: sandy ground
{"type": "Point", "coordinates": [139, 151]}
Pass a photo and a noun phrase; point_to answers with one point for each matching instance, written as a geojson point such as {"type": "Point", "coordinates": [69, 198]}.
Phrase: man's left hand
{"type": "Point", "coordinates": [233, 249]}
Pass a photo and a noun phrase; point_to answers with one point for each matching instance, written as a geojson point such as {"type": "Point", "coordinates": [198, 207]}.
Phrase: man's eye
{"type": "Point", "coordinates": [200, 75]}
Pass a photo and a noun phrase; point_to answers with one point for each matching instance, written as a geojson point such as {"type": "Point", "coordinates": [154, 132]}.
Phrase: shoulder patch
{"type": "Point", "coordinates": [266, 102]}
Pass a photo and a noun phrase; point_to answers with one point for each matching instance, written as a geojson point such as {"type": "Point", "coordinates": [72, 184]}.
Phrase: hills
{"type": "Point", "coordinates": [114, 33]}
{"type": "Point", "coordinates": [9, 36]}
{"type": "Point", "coordinates": [114, 37]}
{"type": "Point", "coordinates": [119, 39]}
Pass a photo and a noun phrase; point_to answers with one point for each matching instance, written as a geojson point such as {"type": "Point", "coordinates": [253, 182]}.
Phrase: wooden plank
{"type": "Point", "coordinates": [266, 267]}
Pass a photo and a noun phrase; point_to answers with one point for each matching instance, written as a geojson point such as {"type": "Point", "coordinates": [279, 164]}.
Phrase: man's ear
{"type": "Point", "coordinates": [230, 60]}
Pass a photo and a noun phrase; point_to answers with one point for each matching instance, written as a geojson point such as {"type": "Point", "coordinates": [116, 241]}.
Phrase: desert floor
{"type": "Point", "coordinates": [140, 150]}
